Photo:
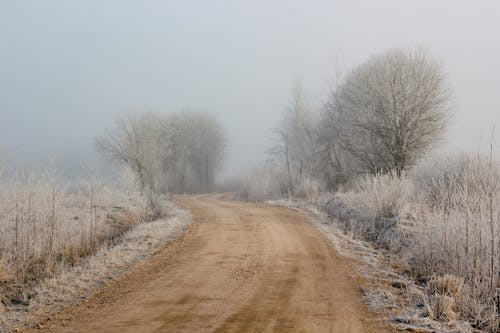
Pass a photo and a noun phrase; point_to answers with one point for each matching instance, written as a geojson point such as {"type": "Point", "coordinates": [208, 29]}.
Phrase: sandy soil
{"type": "Point", "coordinates": [241, 267]}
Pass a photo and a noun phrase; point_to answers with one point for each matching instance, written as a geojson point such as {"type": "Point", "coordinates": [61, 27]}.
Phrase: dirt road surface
{"type": "Point", "coordinates": [241, 267]}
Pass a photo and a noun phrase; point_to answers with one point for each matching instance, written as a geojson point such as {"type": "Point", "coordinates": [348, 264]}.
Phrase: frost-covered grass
{"type": "Point", "coordinates": [445, 217]}
{"type": "Point", "coordinates": [45, 227]}
{"type": "Point", "coordinates": [460, 236]}
{"type": "Point", "coordinates": [72, 284]}
{"type": "Point", "coordinates": [373, 206]}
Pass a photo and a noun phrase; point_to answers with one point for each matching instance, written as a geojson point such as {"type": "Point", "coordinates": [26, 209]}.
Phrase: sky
{"type": "Point", "coordinates": [68, 69]}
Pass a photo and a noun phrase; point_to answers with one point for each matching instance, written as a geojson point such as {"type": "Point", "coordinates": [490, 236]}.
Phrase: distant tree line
{"type": "Point", "coordinates": [380, 118]}
{"type": "Point", "coordinates": [167, 154]}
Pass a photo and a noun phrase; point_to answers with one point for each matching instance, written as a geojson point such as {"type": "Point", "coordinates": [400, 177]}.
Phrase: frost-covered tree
{"type": "Point", "coordinates": [143, 142]}
{"type": "Point", "coordinates": [390, 110]}
{"type": "Point", "coordinates": [167, 154]}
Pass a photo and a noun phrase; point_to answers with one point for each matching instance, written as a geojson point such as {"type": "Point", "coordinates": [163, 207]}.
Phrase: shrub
{"type": "Point", "coordinates": [379, 197]}
{"type": "Point", "coordinates": [376, 205]}
{"type": "Point", "coordinates": [456, 181]}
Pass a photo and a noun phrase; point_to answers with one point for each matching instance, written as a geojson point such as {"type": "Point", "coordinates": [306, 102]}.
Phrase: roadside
{"type": "Point", "coordinates": [76, 284]}
{"type": "Point", "coordinates": [386, 287]}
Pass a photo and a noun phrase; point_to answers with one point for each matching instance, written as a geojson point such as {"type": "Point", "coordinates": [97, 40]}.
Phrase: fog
{"type": "Point", "coordinates": [70, 68]}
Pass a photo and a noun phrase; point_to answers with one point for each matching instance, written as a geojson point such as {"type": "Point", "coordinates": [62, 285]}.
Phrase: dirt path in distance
{"type": "Point", "coordinates": [241, 267]}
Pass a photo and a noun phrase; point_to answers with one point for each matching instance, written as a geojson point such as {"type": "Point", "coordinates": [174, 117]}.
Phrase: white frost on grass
{"type": "Point", "coordinates": [72, 285]}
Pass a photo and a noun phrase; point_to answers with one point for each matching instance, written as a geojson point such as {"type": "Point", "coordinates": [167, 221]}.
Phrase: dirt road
{"type": "Point", "coordinates": [242, 267]}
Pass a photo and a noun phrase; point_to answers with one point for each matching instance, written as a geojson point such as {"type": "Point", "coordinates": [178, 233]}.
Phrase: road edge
{"type": "Point", "coordinates": [70, 288]}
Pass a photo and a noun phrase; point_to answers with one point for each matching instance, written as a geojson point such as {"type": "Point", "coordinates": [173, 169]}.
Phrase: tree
{"type": "Point", "coordinates": [336, 166]}
{"type": "Point", "coordinates": [296, 137]}
{"type": "Point", "coordinates": [174, 154]}
{"type": "Point", "coordinates": [184, 143]}
{"type": "Point", "coordinates": [143, 142]}
{"type": "Point", "coordinates": [199, 149]}
{"type": "Point", "coordinates": [390, 110]}
{"type": "Point", "coordinates": [207, 149]}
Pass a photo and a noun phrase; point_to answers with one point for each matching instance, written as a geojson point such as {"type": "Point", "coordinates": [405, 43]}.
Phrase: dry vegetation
{"type": "Point", "coordinates": [45, 227]}
{"type": "Point", "coordinates": [445, 220]}
{"type": "Point", "coordinates": [457, 238]}
{"type": "Point", "coordinates": [72, 284]}
{"type": "Point", "coordinates": [59, 244]}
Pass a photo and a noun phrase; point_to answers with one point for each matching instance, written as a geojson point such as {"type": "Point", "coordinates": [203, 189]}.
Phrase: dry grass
{"type": "Point", "coordinates": [444, 295]}
{"type": "Point", "coordinates": [372, 208]}
{"type": "Point", "coordinates": [459, 232]}
{"type": "Point", "coordinates": [445, 218]}
{"type": "Point", "coordinates": [44, 226]}
{"type": "Point", "coordinates": [73, 284]}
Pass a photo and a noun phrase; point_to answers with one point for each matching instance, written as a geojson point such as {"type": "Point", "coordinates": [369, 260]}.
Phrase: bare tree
{"type": "Point", "coordinates": [167, 153]}
{"type": "Point", "coordinates": [336, 166]}
{"type": "Point", "coordinates": [391, 110]}
{"type": "Point", "coordinates": [296, 137]}
{"type": "Point", "coordinates": [144, 143]}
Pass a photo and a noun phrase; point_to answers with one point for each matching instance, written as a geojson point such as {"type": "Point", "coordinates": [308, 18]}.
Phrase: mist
{"type": "Point", "coordinates": [69, 69]}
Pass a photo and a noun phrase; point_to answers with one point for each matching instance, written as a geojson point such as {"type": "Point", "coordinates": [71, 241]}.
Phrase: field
{"type": "Point", "coordinates": [45, 227]}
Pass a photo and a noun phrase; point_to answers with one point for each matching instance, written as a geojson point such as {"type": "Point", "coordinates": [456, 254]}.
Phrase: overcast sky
{"type": "Point", "coordinates": [68, 69]}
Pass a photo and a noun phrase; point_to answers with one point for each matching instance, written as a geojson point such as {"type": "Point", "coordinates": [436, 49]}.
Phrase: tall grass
{"type": "Point", "coordinates": [375, 205]}
{"type": "Point", "coordinates": [460, 231]}
{"type": "Point", "coordinates": [445, 214]}
{"type": "Point", "coordinates": [45, 225]}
